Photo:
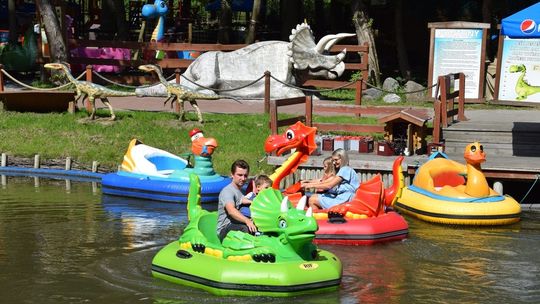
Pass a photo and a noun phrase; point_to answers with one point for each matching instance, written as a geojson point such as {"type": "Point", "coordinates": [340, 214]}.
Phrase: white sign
{"type": "Point", "coordinates": [456, 51]}
{"type": "Point", "coordinates": [520, 70]}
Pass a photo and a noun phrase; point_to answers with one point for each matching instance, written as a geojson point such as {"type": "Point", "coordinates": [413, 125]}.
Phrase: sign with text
{"type": "Point", "coordinates": [520, 70]}
{"type": "Point", "coordinates": [459, 50]}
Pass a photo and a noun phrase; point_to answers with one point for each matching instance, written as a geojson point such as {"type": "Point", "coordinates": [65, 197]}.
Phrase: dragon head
{"type": "Point", "coordinates": [200, 145]}
{"type": "Point", "coordinates": [314, 58]}
{"type": "Point", "coordinates": [297, 136]}
{"type": "Point", "coordinates": [159, 8]}
{"type": "Point", "coordinates": [273, 215]}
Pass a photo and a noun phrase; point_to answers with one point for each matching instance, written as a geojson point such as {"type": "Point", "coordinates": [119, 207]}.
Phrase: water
{"type": "Point", "coordinates": [65, 243]}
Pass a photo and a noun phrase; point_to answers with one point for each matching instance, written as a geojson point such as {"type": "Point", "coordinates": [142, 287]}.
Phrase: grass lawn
{"type": "Point", "coordinates": [57, 136]}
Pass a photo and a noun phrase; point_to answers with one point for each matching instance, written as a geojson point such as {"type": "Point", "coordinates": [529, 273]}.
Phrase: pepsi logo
{"type": "Point", "coordinates": [527, 26]}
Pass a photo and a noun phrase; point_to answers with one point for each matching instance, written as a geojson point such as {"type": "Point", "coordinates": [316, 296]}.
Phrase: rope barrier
{"type": "Point", "coordinates": [312, 90]}
{"type": "Point", "coordinates": [223, 90]}
{"type": "Point", "coordinates": [530, 189]}
{"type": "Point", "coordinates": [36, 88]}
{"type": "Point", "coordinates": [213, 89]}
{"type": "Point", "coordinates": [129, 86]}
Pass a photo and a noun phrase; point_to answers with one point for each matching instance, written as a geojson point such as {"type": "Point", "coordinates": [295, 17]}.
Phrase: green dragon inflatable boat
{"type": "Point", "coordinates": [283, 261]}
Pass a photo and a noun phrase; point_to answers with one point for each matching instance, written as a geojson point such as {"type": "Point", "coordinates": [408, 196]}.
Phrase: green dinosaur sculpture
{"type": "Point", "coordinates": [90, 90]}
{"type": "Point", "coordinates": [523, 88]}
{"type": "Point", "coordinates": [287, 233]}
{"type": "Point", "coordinates": [178, 92]}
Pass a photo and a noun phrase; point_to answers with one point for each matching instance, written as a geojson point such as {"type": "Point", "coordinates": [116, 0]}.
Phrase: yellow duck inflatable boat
{"type": "Point", "coordinates": [445, 191]}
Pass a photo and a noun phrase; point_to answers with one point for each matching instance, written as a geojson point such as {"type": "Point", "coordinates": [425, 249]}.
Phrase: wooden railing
{"type": "Point", "coordinates": [307, 117]}
{"type": "Point", "coordinates": [445, 104]}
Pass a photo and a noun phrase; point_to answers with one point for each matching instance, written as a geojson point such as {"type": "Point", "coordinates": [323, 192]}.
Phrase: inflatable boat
{"type": "Point", "coordinates": [151, 173]}
{"type": "Point", "coordinates": [445, 191]}
{"type": "Point", "coordinates": [282, 261]}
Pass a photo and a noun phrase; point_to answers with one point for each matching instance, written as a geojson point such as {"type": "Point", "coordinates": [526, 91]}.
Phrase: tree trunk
{"type": "Point", "coordinates": [403, 60]}
{"type": "Point", "coordinates": [225, 23]}
{"type": "Point", "coordinates": [252, 31]}
{"type": "Point", "coordinates": [57, 45]}
{"type": "Point", "coordinates": [12, 16]}
{"type": "Point", "coordinates": [113, 20]}
{"type": "Point", "coordinates": [364, 32]}
{"type": "Point", "coordinates": [290, 12]}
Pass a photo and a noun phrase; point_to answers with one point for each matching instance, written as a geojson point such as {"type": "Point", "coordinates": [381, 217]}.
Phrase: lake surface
{"type": "Point", "coordinates": [63, 242]}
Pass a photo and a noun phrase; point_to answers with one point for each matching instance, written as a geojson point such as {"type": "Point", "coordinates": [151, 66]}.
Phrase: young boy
{"type": "Point", "coordinates": [261, 182]}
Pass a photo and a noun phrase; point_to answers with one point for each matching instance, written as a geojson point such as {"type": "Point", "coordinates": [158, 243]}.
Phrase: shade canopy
{"type": "Point", "coordinates": [523, 24]}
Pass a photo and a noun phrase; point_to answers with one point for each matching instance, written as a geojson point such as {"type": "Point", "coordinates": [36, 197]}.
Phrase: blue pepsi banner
{"type": "Point", "coordinates": [523, 24]}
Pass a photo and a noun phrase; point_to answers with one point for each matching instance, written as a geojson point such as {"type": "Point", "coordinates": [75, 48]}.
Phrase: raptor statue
{"type": "Point", "coordinates": [289, 62]}
{"type": "Point", "coordinates": [89, 89]}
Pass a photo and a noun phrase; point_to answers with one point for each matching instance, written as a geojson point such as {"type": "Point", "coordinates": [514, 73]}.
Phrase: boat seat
{"type": "Point", "coordinates": [208, 227]}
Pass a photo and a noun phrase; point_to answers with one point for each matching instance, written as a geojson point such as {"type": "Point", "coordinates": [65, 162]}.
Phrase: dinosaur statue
{"type": "Point", "coordinates": [89, 89]}
{"type": "Point", "coordinates": [159, 9]}
{"type": "Point", "coordinates": [289, 62]}
{"type": "Point", "coordinates": [178, 92]}
{"type": "Point", "coordinates": [287, 233]}
{"type": "Point", "coordinates": [21, 58]}
{"type": "Point", "coordinates": [370, 198]}
{"type": "Point", "coordinates": [523, 88]}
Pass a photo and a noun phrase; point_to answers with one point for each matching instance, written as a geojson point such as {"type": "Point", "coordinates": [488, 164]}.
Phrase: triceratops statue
{"type": "Point", "coordinates": [290, 62]}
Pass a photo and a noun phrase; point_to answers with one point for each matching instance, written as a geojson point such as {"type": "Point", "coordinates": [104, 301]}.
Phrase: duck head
{"type": "Point", "coordinates": [474, 154]}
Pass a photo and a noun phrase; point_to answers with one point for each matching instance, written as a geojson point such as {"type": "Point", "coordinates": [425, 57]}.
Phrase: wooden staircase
{"type": "Point", "coordinates": [499, 137]}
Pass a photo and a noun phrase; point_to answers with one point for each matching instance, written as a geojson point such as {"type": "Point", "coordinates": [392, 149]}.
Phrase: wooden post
{"type": "Point", "coordinates": [267, 92]}
{"type": "Point", "coordinates": [461, 98]}
{"type": "Point", "coordinates": [358, 94]}
{"type": "Point", "coordinates": [95, 166]}
{"type": "Point", "coordinates": [437, 121]}
{"type": "Point", "coordinates": [3, 162]}
{"type": "Point", "coordinates": [444, 85]}
{"type": "Point", "coordinates": [273, 117]}
{"type": "Point", "coordinates": [1, 78]}
{"type": "Point", "coordinates": [87, 103]}
{"type": "Point", "coordinates": [36, 161]}
{"type": "Point", "coordinates": [309, 110]}
{"type": "Point", "coordinates": [68, 163]}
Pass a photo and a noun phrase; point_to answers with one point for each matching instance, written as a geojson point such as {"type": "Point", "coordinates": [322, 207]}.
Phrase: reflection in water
{"type": "Point", "coordinates": [63, 244]}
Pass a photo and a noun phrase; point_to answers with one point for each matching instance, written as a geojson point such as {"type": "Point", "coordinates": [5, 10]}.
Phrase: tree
{"type": "Point", "coordinates": [401, 49]}
{"type": "Point", "coordinates": [364, 32]}
{"type": "Point", "coordinates": [252, 31]}
{"type": "Point", "coordinates": [13, 35]}
{"type": "Point", "coordinates": [225, 22]}
{"type": "Point", "coordinates": [57, 45]}
{"type": "Point", "coordinates": [114, 19]}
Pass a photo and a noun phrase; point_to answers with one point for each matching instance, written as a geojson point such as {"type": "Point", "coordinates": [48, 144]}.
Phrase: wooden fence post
{"type": "Point", "coordinates": [461, 98]}
{"type": "Point", "coordinates": [309, 110]}
{"type": "Point", "coordinates": [87, 103]}
{"type": "Point", "coordinates": [267, 92]}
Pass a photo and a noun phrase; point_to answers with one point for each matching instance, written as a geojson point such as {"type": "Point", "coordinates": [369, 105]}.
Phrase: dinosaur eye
{"type": "Point", "coordinates": [289, 134]}
{"type": "Point", "coordinates": [282, 224]}
{"type": "Point", "coordinates": [481, 148]}
{"type": "Point", "coordinates": [473, 148]}
{"type": "Point", "coordinates": [162, 4]}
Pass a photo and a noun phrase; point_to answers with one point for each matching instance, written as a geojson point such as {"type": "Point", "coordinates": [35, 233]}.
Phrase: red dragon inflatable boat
{"type": "Point", "coordinates": [367, 219]}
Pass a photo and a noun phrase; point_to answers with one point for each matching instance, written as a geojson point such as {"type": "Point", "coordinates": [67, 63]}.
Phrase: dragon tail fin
{"type": "Point", "coordinates": [392, 193]}
{"type": "Point", "coordinates": [194, 196]}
